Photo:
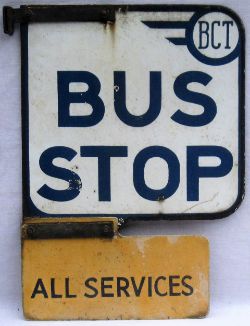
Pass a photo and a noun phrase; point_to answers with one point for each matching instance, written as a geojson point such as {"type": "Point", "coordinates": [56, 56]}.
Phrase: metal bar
{"type": "Point", "coordinates": [66, 230]}
{"type": "Point", "coordinates": [26, 14]}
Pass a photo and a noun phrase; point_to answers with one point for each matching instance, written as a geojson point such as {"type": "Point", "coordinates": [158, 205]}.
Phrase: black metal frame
{"type": "Point", "coordinates": [104, 14]}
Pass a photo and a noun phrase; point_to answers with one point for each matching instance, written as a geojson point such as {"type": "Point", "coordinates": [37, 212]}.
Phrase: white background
{"type": "Point", "coordinates": [229, 238]}
{"type": "Point", "coordinates": [52, 48]}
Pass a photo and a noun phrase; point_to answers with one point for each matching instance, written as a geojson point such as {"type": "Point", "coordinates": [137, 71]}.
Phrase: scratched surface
{"type": "Point", "coordinates": [131, 46]}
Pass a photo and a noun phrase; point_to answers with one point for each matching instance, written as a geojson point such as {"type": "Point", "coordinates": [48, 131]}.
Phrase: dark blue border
{"type": "Point", "coordinates": [29, 209]}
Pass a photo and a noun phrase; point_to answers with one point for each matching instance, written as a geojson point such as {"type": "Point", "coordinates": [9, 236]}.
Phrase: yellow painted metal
{"type": "Point", "coordinates": [149, 277]}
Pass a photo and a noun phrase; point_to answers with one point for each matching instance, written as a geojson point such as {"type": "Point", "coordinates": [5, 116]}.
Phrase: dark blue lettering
{"type": "Point", "coordinates": [203, 31]}
{"type": "Point", "coordinates": [120, 100]}
{"type": "Point", "coordinates": [182, 92]}
{"type": "Point", "coordinates": [91, 96]}
{"type": "Point", "coordinates": [104, 153]}
{"type": "Point", "coordinates": [218, 45]}
{"type": "Point", "coordinates": [227, 23]}
{"type": "Point", "coordinates": [195, 172]}
{"type": "Point", "coordinates": [138, 174]}
{"type": "Point", "coordinates": [47, 166]}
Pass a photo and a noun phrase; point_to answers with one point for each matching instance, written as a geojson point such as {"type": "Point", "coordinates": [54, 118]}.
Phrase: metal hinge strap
{"type": "Point", "coordinates": [66, 228]}
{"type": "Point", "coordinates": [70, 13]}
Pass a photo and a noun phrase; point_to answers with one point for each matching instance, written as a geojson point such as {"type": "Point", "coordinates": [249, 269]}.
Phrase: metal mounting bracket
{"type": "Point", "coordinates": [66, 228]}
{"type": "Point", "coordinates": [47, 13]}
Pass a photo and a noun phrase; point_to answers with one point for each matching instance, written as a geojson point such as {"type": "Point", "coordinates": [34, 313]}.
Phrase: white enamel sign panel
{"type": "Point", "coordinates": [140, 118]}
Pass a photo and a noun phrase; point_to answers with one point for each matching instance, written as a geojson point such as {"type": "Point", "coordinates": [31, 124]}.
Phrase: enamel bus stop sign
{"type": "Point", "coordinates": [128, 112]}
{"type": "Point", "coordinates": [137, 117]}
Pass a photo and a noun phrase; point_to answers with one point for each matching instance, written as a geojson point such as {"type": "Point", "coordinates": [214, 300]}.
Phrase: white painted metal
{"type": "Point", "coordinates": [129, 46]}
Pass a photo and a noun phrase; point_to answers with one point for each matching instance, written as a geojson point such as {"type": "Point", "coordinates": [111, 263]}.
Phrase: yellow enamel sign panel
{"type": "Point", "coordinates": [151, 277]}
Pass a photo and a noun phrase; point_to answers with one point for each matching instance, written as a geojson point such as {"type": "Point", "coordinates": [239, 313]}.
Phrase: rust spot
{"type": "Point", "coordinates": [123, 9]}
{"type": "Point", "coordinates": [110, 28]}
